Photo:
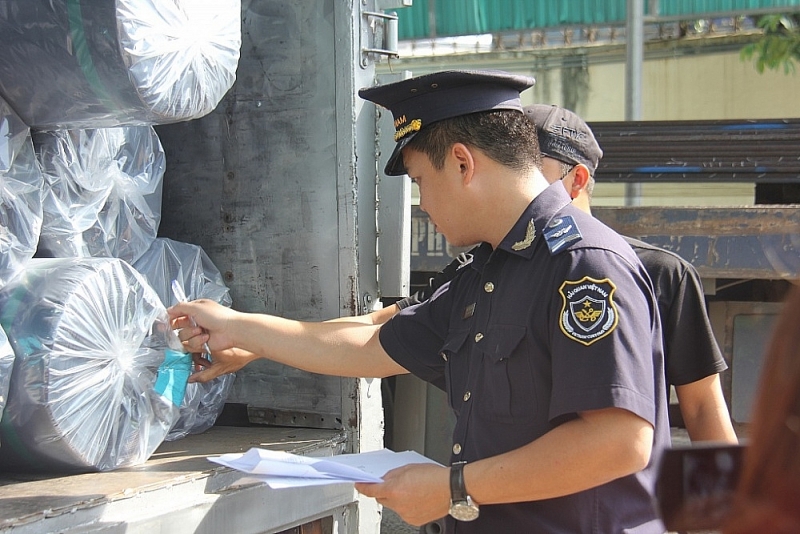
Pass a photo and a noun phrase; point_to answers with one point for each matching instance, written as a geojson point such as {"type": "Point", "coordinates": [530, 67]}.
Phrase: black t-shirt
{"type": "Point", "coordinates": [691, 351]}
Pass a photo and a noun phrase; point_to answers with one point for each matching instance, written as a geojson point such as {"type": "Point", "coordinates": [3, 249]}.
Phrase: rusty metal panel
{"type": "Point", "coordinates": [761, 242]}
{"type": "Point", "coordinates": [757, 151]}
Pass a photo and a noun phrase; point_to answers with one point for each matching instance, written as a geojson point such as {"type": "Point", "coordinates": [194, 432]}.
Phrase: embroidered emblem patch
{"type": "Point", "coordinates": [588, 312]}
{"type": "Point", "coordinates": [561, 232]}
{"type": "Point", "coordinates": [530, 234]}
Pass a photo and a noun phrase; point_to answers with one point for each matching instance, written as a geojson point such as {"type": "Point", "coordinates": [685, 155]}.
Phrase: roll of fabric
{"type": "Point", "coordinates": [6, 366]}
{"type": "Point", "coordinates": [74, 64]}
{"type": "Point", "coordinates": [21, 186]}
{"type": "Point", "coordinates": [102, 192]}
{"type": "Point", "coordinates": [98, 373]}
{"type": "Point", "coordinates": [190, 266]}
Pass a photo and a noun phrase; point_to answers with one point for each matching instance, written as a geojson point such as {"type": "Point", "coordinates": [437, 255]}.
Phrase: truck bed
{"type": "Point", "coordinates": [178, 490]}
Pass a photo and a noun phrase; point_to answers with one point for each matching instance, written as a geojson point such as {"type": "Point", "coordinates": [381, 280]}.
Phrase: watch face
{"type": "Point", "coordinates": [464, 511]}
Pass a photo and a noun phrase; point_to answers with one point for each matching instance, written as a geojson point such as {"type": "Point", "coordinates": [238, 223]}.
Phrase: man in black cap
{"type": "Point", "coordinates": [547, 342]}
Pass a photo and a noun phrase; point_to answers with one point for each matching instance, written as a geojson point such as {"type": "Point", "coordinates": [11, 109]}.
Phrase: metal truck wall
{"type": "Point", "coordinates": [267, 185]}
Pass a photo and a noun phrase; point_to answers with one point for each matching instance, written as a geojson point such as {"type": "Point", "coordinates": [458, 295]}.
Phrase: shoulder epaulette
{"type": "Point", "coordinates": [561, 231]}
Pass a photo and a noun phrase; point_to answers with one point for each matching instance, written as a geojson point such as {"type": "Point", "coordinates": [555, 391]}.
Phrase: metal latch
{"type": "Point", "coordinates": [381, 30]}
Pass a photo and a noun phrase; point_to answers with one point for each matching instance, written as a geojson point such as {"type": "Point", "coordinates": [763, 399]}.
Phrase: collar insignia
{"type": "Point", "coordinates": [464, 259]}
{"type": "Point", "coordinates": [530, 234]}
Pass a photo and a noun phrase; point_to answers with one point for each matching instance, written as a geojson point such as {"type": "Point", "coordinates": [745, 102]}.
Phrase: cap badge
{"type": "Point", "coordinates": [530, 234]}
{"type": "Point", "coordinates": [414, 126]}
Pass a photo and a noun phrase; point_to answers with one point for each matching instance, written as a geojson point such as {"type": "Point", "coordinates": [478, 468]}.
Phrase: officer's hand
{"type": "Point", "coordinates": [221, 362]}
{"type": "Point", "coordinates": [201, 325]}
{"type": "Point", "coordinates": [419, 493]}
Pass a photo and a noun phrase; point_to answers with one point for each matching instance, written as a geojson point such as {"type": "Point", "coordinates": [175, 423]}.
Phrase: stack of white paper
{"type": "Point", "coordinates": [285, 470]}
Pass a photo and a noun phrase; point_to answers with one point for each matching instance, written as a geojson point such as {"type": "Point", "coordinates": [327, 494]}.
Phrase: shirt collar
{"type": "Point", "coordinates": [522, 238]}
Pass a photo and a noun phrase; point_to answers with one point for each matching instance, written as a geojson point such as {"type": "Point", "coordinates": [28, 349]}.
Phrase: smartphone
{"type": "Point", "coordinates": [696, 484]}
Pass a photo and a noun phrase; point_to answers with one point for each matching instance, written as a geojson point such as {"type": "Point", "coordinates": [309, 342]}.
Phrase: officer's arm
{"type": "Point", "coordinates": [237, 338]}
{"type": "Point", "coordinates": [704, 410]}
{"type": "Point", "coordinates": [374, 318]}
{"type": "Point", "coordinates": [597, 447]}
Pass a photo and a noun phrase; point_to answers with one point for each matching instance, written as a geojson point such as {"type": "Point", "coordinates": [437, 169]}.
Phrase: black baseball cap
{"type": "Point", "coordinates": [564, 136]}
{"type": "Point", "coordinates": [420, 101]}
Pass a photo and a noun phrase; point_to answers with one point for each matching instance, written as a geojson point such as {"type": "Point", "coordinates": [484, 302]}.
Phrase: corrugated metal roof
{"type": "Point", "coordinates": [757, 151]}
{"type": "Point", "coordinates": [472, 17]}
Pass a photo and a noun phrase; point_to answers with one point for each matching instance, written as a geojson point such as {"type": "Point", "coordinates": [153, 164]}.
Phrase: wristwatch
{"type": "Point", "coordinates": [461, 506]}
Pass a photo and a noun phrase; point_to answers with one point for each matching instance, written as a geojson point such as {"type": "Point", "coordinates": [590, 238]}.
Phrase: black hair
{"type": "Point", "coordinates": [505, 136]}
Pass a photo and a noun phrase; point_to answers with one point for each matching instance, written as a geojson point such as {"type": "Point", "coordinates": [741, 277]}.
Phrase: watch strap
{"type": "Point", "coordinates": [458, 490]}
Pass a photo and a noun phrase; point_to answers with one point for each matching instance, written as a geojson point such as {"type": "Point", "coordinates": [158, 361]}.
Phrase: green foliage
{"type": "Point", "coordinates": [780, 45]}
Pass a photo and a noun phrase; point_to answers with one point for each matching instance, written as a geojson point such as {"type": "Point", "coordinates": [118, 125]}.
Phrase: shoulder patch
{"type": "Point", "coordinates": [560, 232]}
{"type": "Point", "coordinates": [588, 312]}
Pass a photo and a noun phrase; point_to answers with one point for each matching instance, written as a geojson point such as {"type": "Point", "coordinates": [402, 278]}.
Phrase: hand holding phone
{"type": "Point", "coordinates": [696, 484]}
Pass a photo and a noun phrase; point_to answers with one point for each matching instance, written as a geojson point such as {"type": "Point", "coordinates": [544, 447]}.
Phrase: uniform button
{"type": "Point", "coordinates": [443, 355]}
{"type": "Point", "coordinates": [467, 395]}
{"type": "Point", "coordinates": [457, 448]}
{"type": "Point", "coordinates": [488, 287]}
{"type": "Point", "coordinates": [478, 337]}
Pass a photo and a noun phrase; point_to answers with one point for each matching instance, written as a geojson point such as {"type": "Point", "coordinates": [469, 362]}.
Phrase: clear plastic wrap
{"type": "Point", "coordinates": [102, 193]}
{"type": "Point", "coordinates": [21, 185]}
{"type": "Point", "coordinates": [169, 260]}
{"type": "Point", "coordinates": [106, 63]}
{"type": "Point", "coordinates": [6, 365]}
{"type": "Point", "coordinates": [98, 374]}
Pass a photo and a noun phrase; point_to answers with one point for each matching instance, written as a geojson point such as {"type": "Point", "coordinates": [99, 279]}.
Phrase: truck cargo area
{"type": "Point", "coordinates": [179, 490]}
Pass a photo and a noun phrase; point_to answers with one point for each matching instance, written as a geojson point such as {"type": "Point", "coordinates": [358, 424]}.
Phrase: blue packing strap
{"type": "Point", "coordinates": [173, 375]}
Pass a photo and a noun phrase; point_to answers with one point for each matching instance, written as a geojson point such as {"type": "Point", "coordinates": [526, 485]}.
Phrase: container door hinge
{"type": "Point", "coordinates": [380, 33]}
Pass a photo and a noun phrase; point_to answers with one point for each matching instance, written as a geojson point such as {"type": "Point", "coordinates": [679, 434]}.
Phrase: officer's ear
{"type": "Point", "coordinates": [464, 158]}
{"type": "Point", "coordinates": [580, 179]}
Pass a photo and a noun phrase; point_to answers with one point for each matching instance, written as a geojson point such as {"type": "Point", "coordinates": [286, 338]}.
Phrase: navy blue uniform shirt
{"type": "Point", "coordinates": [560, 319]}
{"type": "Point", "coordinates": [691, 351]}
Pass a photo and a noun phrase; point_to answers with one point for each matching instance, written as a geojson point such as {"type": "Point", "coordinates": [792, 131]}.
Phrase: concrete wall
{"type": "Point", "coordinates": [704, 87]}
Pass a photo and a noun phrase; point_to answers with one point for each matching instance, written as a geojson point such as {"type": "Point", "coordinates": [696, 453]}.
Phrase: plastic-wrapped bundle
{"type": "Point", "coordinates": [106, 63]}
{"type": "Point", "coordinates": [102, 193]}
{"type": "Point", "coordinates": [6, 365]}
{"type": "Point", "coordinates": [98, 374]}
{"type": "Point", "coordinates": [169, 260]}
{"type": "Point", "coordinates": [20, 195]}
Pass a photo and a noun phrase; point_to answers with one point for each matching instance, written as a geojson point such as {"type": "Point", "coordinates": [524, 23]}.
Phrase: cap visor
{"type": "Point", "coordinates": [395, 166]}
